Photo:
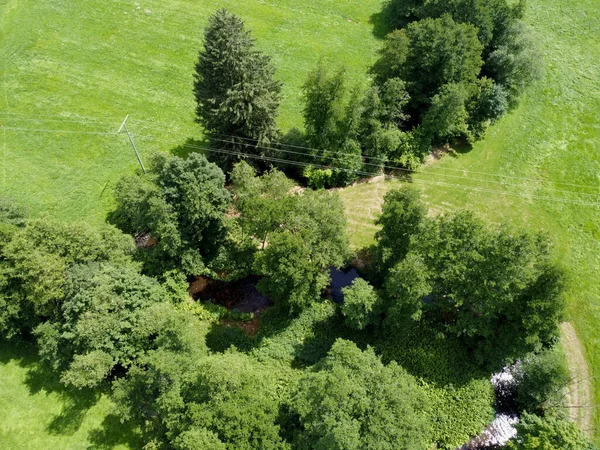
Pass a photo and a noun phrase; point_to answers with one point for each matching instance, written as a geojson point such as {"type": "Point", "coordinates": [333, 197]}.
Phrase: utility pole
{"type": "Point", "coordinates": [124, 126]}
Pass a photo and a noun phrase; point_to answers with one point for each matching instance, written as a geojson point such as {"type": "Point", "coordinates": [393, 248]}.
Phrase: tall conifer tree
{"type": "Point", "coordinates": [236, 94]}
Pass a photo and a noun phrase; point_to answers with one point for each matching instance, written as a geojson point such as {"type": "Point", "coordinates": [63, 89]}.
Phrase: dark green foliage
{"type": "Point", "coordinates": [406, 285]}
{"type": "Point", "coordinates": [444, 52]}
{"type": "Point", "coordinates": [548, 433]}
{"type": "Point", "coordinates": [446, 118]}
{"type": "Point", "coordinates": [361, 305]}
{"type": "Point", "coordinates": [331, 119]}
{"type": "Point", "coordinates": [324, 97]}
{"type": "Point", "coordinates": [233, 397]}
{"type": "Point", "coordinates": [461, 392]}
{"type": "Point", "coordinates": [309, 239]}
{"type": "Point", "coordinates": [490, 17]}
{"type": "Point", "coordinates": [184, 399]}
{"type": "Point", "coordinates": [34, 263]}
{"type": "Point", "coordinates": [353, 401]}
{"type": "Point", "coordinates": [383, 116]}
{"type": "Point", "coordinates": [263, 202]}
{"type": "Point", "coordinates": [301, 236]}
{"type": "Point", "coordinates": [222, 337]}
{"type": "Point", "coordinates": [236, 94]}
{"type": "Point", "coordinates": [497, 290]}
{"type": "Point", "coordinates": [302, 341]}
{"type": "Point", "coordinates": [105, 320]}
{"type": "Point", "coordinates": [488, 103]}
{"type": "Point", "coordinates": [402, 216]}
{"type": "Point", "coordinates": [439, 51]}
{"type": "Point", "coordinates": [11, 213]}
{"type": "Point", "coordinates": [151, 390]}
{"type": "Point", "coordinates": [542, 382]}
{"type": "Point", "coordinates": [198, 439]}
{"type": "Point", "coordinates": [291, 277]}
{"type": "Point", "coordinates": [392, 57]}
{"type": "Point", "coordinates": [181, 203]}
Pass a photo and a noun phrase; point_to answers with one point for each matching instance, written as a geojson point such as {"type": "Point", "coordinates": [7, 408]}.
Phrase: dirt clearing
{"type": "Point", "coordinates": [579, 398]}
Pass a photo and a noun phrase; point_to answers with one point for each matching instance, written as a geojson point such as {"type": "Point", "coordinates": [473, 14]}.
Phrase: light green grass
{"type": "Point", "coordinates": [39, 413]}
{"type": "Point", "coordinates": [107, 59]}
{"type": "Point", "coordinates": [550, 142]}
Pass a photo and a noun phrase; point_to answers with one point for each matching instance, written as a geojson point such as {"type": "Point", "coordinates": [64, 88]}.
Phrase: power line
{"type": "Point", "coordinates": [374, 158]}
{"type": "Point", "coordinates": [364, 173]}
{"type": "Point", "coordinates": [436, 183]}
{"type": "Point", "coordinates": [536, 180]}
{"type": "Point", "coordinates": [43, 130]}
{"type": "Point", "coordinates": [57, 116]}
{"type": "Point", "coordinates": [320, 151]}
{"type": "Point", "coordinates": [400, 169]}
{"type": "Point", "coordinates": [63, 120]}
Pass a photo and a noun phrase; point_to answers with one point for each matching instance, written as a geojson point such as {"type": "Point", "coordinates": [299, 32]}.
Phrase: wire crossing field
{"type": "Point", "coordinates": [105, 59]}
{"type": "Point", "coordinates": [80, 67]}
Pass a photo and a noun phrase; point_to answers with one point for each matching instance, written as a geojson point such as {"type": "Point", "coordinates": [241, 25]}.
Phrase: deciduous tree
{"type": "Point", "coordinates": [352, 401]}
{"type": "Point", "coordinates": [181, 204]}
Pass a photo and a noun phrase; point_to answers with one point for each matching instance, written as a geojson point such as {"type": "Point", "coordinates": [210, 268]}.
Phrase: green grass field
{"type": "Point", "coordinates": [65, 61]}
{"type": "Point", "coordinates": [39, 413]}
{"type": "Point", "coordinates": [80, 67]}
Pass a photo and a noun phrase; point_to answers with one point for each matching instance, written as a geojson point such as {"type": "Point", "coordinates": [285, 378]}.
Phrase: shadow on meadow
{"type": "Point", "coordinates": [382, 25]}
{"type": "Point", "coordinates": [75, 403]}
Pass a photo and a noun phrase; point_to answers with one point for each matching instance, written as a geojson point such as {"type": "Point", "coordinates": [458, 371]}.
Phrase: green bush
{"type": "Point", "coordinates": [542, 381]}
{"type": "Point", "coordinates": [548, 433]}
{"type": "Point", "coordinates": [318, 178]}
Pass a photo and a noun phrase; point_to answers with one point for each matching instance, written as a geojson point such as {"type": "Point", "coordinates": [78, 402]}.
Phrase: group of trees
{"type": "Point", "coordinates": [451, 68]}
{"type": "Point", "coordinates": [102, 311]}
{"type": "Point", "coordinates": [197, 226]}
{"type": "Point", "coordinates": [497, 290]}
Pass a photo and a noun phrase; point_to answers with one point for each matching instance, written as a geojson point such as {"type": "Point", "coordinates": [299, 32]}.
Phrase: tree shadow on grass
{"type": "Point", "coordinates": [382, 24]}
{"type": "Point", "coordinates": [191, 146]}
{"type": "Point", "coordinates": [113, 432]}
{"type": "Point", "coordinates": [75, 403]}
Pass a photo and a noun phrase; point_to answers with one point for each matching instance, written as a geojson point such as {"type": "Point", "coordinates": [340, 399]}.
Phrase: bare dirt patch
{"type": "Point", "coordinates": [579, 398]}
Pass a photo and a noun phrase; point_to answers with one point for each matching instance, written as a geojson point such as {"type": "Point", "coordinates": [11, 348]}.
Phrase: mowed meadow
{"type": "Point", "coordinates": [81, 67]}
{"type": "Point", "coordinates": [71, 71]}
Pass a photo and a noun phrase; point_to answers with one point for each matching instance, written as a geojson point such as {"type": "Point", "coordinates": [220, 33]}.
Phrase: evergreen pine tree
{"type": "Point", "coordinates": [237, 97]}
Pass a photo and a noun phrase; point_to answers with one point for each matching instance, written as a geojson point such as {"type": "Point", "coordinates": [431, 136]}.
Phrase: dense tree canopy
{"type": "Point", "coordinates": [402, 216]}
{"type": "Point", "coordinates": [464, 63]}
{"type": "Point", "coordinates": [543, 379]}
{"type": "Point", "coordinates": [34, 263]}
{"type": "Point", "coordinates": [552, 433]}
{"type": "Point", "coordinates": [310, 239]}
{"type": "Point", "coordinates": [105, 320]}
{"type": "Point", "coordinates": [438, 52]}
{"type": "Point", "coordinates": [181, 204]}
{"type": "Point", "coordinates": [331, 122]}
{"type": "Point", "coordinates": [361, 304]}
{"type": "Point", "coordinates": [498, 290]}
{"type": "Point", "coordinates": [352, 401]}
{"type": "Point", "coordinates": [307, 373]}
{"type": "Point", "coordinates": [236, 94]}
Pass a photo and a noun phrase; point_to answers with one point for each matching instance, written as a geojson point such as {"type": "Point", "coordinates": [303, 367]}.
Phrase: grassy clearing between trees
{"type": "Point", "coordinates": [40, 413]}
{"type": "Point", "coordinates": [549, 143]}
{"type": "Point", "coordinates": [107, 59]}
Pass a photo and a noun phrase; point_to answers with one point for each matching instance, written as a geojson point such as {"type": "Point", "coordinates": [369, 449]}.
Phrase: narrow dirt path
{"type": "Point", "coordinates": [579, 397]}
